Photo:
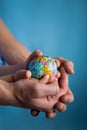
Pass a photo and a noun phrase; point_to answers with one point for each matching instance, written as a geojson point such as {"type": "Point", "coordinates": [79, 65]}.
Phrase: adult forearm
{"type": "Point", "coordinates": [11, 50]}
{"type": "Point", "coordinates": [6, 94]}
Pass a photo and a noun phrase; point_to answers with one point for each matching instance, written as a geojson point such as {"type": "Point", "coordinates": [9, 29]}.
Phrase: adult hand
{"type": "Point", "coordinates": [66, 67]}
{"type": "Point", "coordinates": [68, 96]}
{"type": "Point", "coordinates": [24, 74]}
{"type": "Point", "coordinates": [65, 94]}
{"type": "Point", "coordinates": [34, 93]}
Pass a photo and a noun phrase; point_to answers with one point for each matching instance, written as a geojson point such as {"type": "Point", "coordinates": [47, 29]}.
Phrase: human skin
{"type": "Point", "coordinates": [62, 91]}
{"type": "Point", "coordinates": [11, 50]}
{"type": "Point", "coordinates": [33, 96]}
{"type": "Point", "coordinates": [20, 55]}
{"type": "Point", "coordinates": [60, 106]}
{"type": "Point", "coordinates": [66, 67]}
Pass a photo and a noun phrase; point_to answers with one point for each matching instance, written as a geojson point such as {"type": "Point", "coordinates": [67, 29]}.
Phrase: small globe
{"type": "Point", "coordinates": [42, 65]}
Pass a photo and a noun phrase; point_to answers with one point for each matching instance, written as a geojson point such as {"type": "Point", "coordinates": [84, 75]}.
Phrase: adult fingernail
{"type": "Point", "coordinates": [39, 52]}
{"type": "Point", "coordinates": [71, 70]}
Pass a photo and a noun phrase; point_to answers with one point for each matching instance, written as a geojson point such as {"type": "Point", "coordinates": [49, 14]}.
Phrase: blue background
{"type": "Point", "coordinates": [58, 28]}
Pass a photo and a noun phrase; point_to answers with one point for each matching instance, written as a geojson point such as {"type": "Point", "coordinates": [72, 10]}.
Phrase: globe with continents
{"type": "Point", "coordinates": [41, 66]}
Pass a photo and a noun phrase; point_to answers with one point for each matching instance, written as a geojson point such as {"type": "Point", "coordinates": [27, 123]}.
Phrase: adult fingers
{"type": "Point", "coordinates": [51, 114]}
{"type": "Point", "coordinates": [48, 114]}
{"type": "Point", "coordinates": [68, 65]}
{"type": "Point", "coordinates": [60, 106]}
{"type": "Point", "coordinates": [33, 55]}
{"type": "Point", "coordinates": [21, 74]}
{"type": "Point", "coordinates": [57, 62]}
{"type": "Point", "coordinates": [68, 98]}
{"type": "Point", "coordinates": [63, 82]}
{"type": "Point", "coordinates": [58, 65]}
{"type": "Point", "coordinates": [58, 75]}
{"type": "Point", "coordinates": [34, 112]}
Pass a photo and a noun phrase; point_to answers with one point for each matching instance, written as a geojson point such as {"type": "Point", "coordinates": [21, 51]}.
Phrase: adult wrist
{"type": "Point", "coordinates": [7, 97]}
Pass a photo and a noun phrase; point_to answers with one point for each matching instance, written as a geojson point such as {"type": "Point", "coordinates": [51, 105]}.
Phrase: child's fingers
{"type": "Point", "coordinates": [51, 79]}
{"type": "Point", "coordinates": [27, 74]}
{"type": "Point", "coordinates": [45, 79]}
{"type": "Point", "coordinates": [50, 89]}
{"type": "Point", "coordinates": [48, 79]}
{"type": "Point", "coordinates": [22, 74]}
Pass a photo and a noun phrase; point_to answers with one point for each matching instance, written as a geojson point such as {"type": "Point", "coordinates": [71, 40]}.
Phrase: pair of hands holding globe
{"type": "Point", "coordinates": [49, 92]}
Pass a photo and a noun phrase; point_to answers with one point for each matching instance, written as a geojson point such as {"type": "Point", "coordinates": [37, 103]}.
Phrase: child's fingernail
{"type": "Point", "coordinates": [47, 76]}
